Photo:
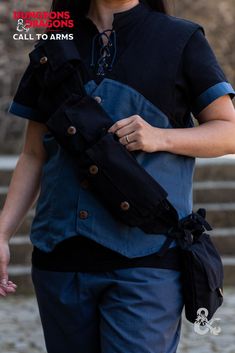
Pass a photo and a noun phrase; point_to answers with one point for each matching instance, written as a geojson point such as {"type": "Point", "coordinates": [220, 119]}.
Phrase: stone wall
{"type": "Point", "coordinates": [217, 17]}
{"type": "Point", "coordinates": [13, 61]}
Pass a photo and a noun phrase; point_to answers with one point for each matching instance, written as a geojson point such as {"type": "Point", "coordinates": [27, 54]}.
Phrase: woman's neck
{"type": "Point", "coordinates": [101, 11]}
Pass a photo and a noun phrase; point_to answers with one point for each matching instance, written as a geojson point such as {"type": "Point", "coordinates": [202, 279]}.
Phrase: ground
{"type": "Point", "coordinates": [21, 332]}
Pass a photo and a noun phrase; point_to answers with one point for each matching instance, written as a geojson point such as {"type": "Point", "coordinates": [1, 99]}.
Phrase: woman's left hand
{"type": "Point", "coordinates": [136, 134]}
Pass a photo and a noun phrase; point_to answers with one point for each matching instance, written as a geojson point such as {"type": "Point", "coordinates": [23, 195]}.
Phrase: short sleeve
{"type": "Point", "coordinates": [24, 103]}
{"type": "Point", "coordinates": [206, 80]}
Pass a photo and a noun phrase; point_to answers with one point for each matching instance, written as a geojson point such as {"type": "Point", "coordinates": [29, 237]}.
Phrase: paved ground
{"type": "Point", "coordinates": [20, 328]}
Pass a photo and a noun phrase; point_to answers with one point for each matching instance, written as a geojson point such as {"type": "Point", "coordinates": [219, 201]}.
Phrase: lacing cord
{"type": "Point", "coordinates": [106, 50]}
{"type": "Point", "coordinates": [190, 227]}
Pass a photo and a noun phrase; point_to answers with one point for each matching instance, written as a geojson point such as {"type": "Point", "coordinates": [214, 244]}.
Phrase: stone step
{"type": "Point", "coordinates": [229, 270]}
{"type": "Point", "coordinates": [215, 169]}
{"type": "Point", "coordinates": [214, 191]}
{"type": "Point", "coordinates": [7, 164]}
{"type": "Point", "coordinates": [21, 275]}
{"type": "Point", "coordinates": [3, 194]}
{"type": "Point", "coordinates": [5, 176]}
{"type": "Point", "coordinates": [20, 250]}
{"type": "Point", "coordinates": [219, 215]}
{"type": "Point", "coordinates": [224, 240]}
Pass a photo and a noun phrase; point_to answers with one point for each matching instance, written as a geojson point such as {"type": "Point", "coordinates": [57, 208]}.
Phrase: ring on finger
{"type": "Point", "coordinates": [127, 139]}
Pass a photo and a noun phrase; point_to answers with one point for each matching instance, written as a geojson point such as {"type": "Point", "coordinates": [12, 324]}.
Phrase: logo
{"type": "Point", "coordinates": [20, 27]}
{"type": "Point", "coordinates": [202, 326]}
{"type": "Point", "coordinates": [53, 22]}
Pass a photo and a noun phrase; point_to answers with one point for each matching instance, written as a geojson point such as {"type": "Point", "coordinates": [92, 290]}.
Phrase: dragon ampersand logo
{"type": "Point", "coordinates": [202, 325]}
{"type": "Point", "coordinates": [51, 21]}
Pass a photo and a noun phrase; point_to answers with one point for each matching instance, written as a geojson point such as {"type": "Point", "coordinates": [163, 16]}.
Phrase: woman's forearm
{"type": "Point", "coordinates": [22, 193]}
{"type": "Point", "coordinates": [211, 139]}
{"type": "Point", "coordinates": [214, 137]}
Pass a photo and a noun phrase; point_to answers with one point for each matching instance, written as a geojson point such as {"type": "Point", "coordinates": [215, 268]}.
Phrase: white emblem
{"type": "Point", "coordinates": [202, 326]}
{"type": "Point", "coordinates": [21, 26]}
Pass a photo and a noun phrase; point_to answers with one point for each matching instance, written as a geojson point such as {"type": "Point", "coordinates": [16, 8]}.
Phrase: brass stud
{"type": "Point", "coordinates": [72, 130]}
{"type": "Point", "coordinates": [43, 60]}
{"type": "Point", "coordinates": [83, 214]}
{"type": "Point", "coordinates": [98, 99]}
{"type": "Point", "coordinates": [125, 206]}
{"type": "Point", "coordinates": [93, 169]}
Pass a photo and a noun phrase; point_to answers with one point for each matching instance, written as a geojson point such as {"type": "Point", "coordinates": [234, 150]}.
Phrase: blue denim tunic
{"type": "Point", "coordinates": [62, 197]}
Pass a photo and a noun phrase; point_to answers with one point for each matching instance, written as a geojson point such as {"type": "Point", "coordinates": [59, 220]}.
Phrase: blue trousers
{"type": "Point", "coordinates": [130, 310]}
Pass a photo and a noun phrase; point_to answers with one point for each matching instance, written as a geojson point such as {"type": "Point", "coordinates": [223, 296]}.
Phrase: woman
{"type": "Point", "coordinates": [107, 290]}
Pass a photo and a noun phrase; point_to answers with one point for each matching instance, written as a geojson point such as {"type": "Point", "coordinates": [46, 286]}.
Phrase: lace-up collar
{"type": "Point", "coordinates": [107, 52]}
{"type": "Point", "coordinates": [103, 55]}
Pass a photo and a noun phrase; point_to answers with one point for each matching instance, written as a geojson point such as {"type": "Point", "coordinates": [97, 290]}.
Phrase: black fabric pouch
{"type": "Point", "coordinates": [88, 120]}
{"type": "Point", "coordinates": [59, 71]}
{"type": "Point", "coordinates": [202, 271]}
{"type": "Point", "coordinates": [129, 192]}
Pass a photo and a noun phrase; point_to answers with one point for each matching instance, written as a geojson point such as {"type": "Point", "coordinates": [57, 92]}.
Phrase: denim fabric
{"type": "Point", "coordinates": [119, 311]}
{"type": "Point", "coordinates": [62, 197]}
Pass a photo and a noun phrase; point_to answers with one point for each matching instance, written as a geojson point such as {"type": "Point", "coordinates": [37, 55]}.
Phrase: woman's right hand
{"type": "Point", "coordinates": [23, 191]}
{"type": "Point", "coordinates": [6, 286]}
